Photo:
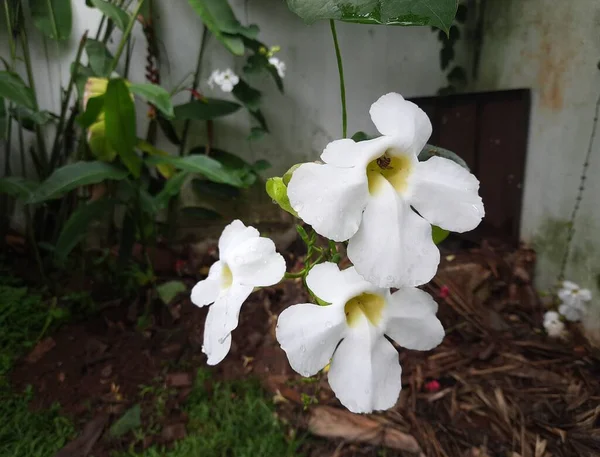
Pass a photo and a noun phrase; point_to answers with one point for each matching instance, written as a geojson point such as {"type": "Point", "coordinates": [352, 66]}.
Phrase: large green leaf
{"type": "Point", "coordinates": [218, 17]}
{"type": "Point", "coordinates": [99, 57]}
{"type": "Point", "coordinates": [75, 229]}
{"type": "Point", "coordinates": [207, 166]}
{"type": "Point", "coordinates": [14, 89]}
{"type": "Point", "coordinates": [437, 13]}
{"type": "Point", "coordinates": [232, 163]}
{"type": "Point", "coordinates": [119, 112]}
{"type": "Point", "coordinates": [29, 119]}
{"type": "Point", "coordinates": [53, 18]}
{"type": "Point", "coordinates": [156, 95]}
{"type": "Point", "coordinates": [249, 96]}
{"type": "Point", "coordinates": [3, 118]}
{"type": "Point", "coordinates": [118, 16]}
{"type": "Point", "coordinates": [73, 176]}
{"type": "Point", "coordinates": [204, 110]}
{"type": "Point", "coordinates": [17, 187]}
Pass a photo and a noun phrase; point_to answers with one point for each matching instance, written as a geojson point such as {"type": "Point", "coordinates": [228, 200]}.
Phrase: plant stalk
{"type": "Point", "coordinates": [338, 55]}
{"type": "Point", "coordinates": [125, 37]}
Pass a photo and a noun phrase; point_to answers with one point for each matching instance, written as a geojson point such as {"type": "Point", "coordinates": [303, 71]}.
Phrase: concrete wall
{"type": "Point", "coordinates": [553, 48]}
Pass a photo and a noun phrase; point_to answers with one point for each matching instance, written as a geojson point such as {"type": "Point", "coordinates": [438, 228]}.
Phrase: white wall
{"type": "Point", "coordinates": [377, 60]}
{"type": "Point", "coordinates": [553, 47]}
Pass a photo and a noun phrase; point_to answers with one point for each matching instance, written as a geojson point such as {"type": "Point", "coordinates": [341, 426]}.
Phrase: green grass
{"type": "Point", "coordinates": [23, 320]}
{"type": "Point", "coordinates": [232, 419]}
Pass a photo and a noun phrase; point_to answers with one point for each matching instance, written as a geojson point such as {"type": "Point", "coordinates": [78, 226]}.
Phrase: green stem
{"type": "Point", "coordinates": [186, 125]}
{"type": "Point", "coordinates": [125, 37]}
{"type": "Point", "coordinates": [341, 73]}
{"type": "Point", "coordinates": [11, 41]}
{"type": "Point", "coordinates": [52, 19]}
{"type": "Point", "coordinates": [42, 155]}
{"type": "Point", "coordinates": [65, 104]}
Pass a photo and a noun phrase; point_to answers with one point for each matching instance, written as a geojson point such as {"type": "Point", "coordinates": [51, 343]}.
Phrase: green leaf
{"type": "Point", "coordinates": [202, 164]}
{"type": "Point", "coordinates": [232, 163]}
{"type": "Point", "coordinates": [18, 187]}
{"type": "Point", "coordinates": [14, 89]}
{"type": "Point", "coordinates": [167, 128]}
{"type": "Point", "coordinates": [429, 151]}
{"type": "Point", "coordinates": [204, 110]}
{"type": "Point", "coordinates": [218, 17]}
{"type": "Point", "coordinates": [75, 175]}
{"type": "Point", "coordinates": [75, 229]}
{"type": "Point", "coordinates": [250, 97]}
{"type": "Point", "coordinates": [437, 13]}
{"type": "Point", "coordinates": [116, 14]}
{"type": "Point", "coordinates": [155, 95]}
{"type": "Point", "coordinates": [99, 57]}
{"type": "Point", "coordinates": [119, 111]}
{"type": "Point", "coordinates": [438, 234]}
{"type": "Point", "coordinates": [204, 187]}
{"type": "Point", "coordinates": [360, 136]}
{"type": "Point", "coordinates": [129, 421]}
{"type": "Point", "coordinates": [169, 290]}
{"type": "Point", "coordinates": [261, 165]}
{"type": "Point", "coordinates": [83, 73]}
{"type": "Point", "coordinates": [54, 18]}
{"type": "Point", "coordinates": [171, 189]}
{"type": "Point", "coordinates": [258, 62]}
{"type": "Point", "coordinates": [30, 119]}
{"type": "Point", "coordinates": [3, 119]}
{"type": "Point", "coordinates": [277, 190]}
{"type": "Point", "coordinates": [94, 107]}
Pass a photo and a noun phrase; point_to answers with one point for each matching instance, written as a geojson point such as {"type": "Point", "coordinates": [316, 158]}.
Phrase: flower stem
{"type": "Point", "coordinates": [125, 37]}
{"type": "Point", "coordinates": [341, 73]}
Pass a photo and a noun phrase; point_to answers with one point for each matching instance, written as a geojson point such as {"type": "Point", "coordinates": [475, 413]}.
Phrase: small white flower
{"type": "Point", "coordinates": [364, 193]}
{"type": "Point", "coordinates": [226, 80]}
{"type": "Point", "coordinates": [279, 66]}
{"type": "Point", "coordinates": [246, 261]}
{"type": "Point", "coordinates": [573, 300]}
{"type": "Point", "coordinates": [365, 371]}
{"type": "Point", "coordinates": [553, 325]}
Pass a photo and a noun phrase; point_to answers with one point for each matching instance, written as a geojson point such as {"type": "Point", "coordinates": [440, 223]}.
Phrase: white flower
{"type": "Point", "coordinates": [573, 300]}
{"type": "Point", "coordinates": [279, 66]}
{"type": "Point", "coordinates": [226, 80]}
{"type": "Point", "coordinates": [365, 371]}
{"type": "Point", "coordinates": [553, 325]}
{"type": "Point", "coordinates": [246, 261]}
{"type": "Point", "coordinates": [364, 192]}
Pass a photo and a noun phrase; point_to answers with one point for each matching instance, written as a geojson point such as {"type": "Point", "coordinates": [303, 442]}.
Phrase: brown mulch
{"type": "Point", "coordinates": [501, 387]}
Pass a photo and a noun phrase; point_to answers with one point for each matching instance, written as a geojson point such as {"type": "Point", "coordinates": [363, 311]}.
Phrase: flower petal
{"type": "Point", "coordinates": [412, 322]}
{"type": "Point", "coordinates": [207, 291]}
{"type": "Point", "coordinates": [393, 246]}
{"type": "Point", "coordinates": [309, 334]}
{"type": "Point", "coordinates": [255, 262]}
{"type": "Point", "coordinates": [331, 285]}
{"type": "Point", "coordinates": [234, 234]}
{"type": "Point", "coordinates": [571, 313]}
{"type": "Point", "coordinates": [446, 195]}
{"type": "Point", "coordinates": [585, 294]}
{"type": "Point", "coordinates": [395, 116]}
{"type": "Point", "coordinates": [222, 319]}
{"type": "Point", "coordinates": [330, 199]}
{"type": "Point", "coordinates": [365, 373]}
{"type": "Point", "coordinates": [569, 285]}
{"type": "Point", "coordinates": [347, 153]}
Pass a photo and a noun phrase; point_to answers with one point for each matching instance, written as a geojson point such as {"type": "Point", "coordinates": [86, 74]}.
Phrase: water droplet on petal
{"type": "Point", "coordinates": [306, 374]}
{"type": "Point", "coordinates": [328, 324]}
{"type": "Point", "coordinates": [302, 348]}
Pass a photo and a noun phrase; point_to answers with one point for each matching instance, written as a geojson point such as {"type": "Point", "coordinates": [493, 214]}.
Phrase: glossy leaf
{"type": "Point", "coordinates": [277, 190]}
{"type": "Point", "coordinates": [155, 95]}
{"type": "Point", "coordinates": [202, 164]}
{"type": "Point", "coordinates": [169, 290]}
{"type": "Point", "coordinates": [437, 13]}
{"type": "Point", "coordinates": [99, 57]}
{"type": "Point", "coordinates": [219, 18]}
{"type": "Point", "coordinates": [234, 164]}
{"type": "Point", "coordinates": [75, 175]}
{"type": "Point", "coordinates": [18, 187]}
{"type": "Point", "coordinates": [29, 119]}
{"type": "Point", "coordinates": [113, 12]}
{"type": "Point", "coordinates": [207, 109]}
{"type": "Point", "coordinates": [76, 227]}
{"type": "Point", "coordinates": [119, 111]}
{"type": "Point", "coordinates": [94, 107]}
{"type": "Point", "coordinates": [438, 234]}
{"type": "Point", "coordinates": [429, 151]}
{"type": "Point", "coordinates": [171, 189]}
{"type": "Point", "coordinates": [14, 89]}
{"type": "Point", "coordinates": [54, 18]}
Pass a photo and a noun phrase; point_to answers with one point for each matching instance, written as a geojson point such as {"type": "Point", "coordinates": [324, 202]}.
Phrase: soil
{"type": "Point", "coordinates": [497, 386]}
